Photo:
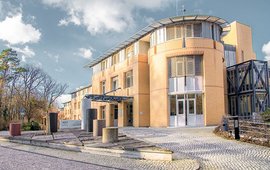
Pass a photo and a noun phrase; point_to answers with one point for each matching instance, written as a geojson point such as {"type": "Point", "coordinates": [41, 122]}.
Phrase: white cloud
{"type": "Point", "coordinates": [55, 57]}
{"type": "Point", "coordinates": [99, 16]}
{"type": "Point", "coordinates": [62, 99]}
{"type": "Point", "coordinates": [85, 52]}
{"type": "Point", "coordinates": [15, 31]}
{"type": "Point", "coordinates": [59, 69]}
{"type": "Point", "coordinates": [266, 51]}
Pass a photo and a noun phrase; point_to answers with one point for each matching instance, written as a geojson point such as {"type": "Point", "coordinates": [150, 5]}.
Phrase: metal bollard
{"type": "Point", "coordinates": [236, 128]}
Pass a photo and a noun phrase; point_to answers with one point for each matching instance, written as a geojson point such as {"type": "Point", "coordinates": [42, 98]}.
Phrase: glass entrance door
{"type": "Point", "coordinates": [181, 113]}
{"type": "Point", "coordinates": [191, 112]}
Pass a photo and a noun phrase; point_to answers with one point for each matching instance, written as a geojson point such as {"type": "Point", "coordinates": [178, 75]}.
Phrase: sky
{"type": "Point", "coordinates": [62, 36]}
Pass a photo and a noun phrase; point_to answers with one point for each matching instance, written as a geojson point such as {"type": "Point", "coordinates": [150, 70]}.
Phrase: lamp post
{"type": "Point", "coordinates": [22, 113]}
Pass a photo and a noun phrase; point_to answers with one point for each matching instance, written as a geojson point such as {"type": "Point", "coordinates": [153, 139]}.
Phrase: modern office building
{"type": "Point", "coordinates": [72, 108]}
{"type": "Point", "coordinates": [171, 73]}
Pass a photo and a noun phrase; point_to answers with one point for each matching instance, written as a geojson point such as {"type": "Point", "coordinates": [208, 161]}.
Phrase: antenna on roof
{"type": "Point", "coordinates": [183, 10]}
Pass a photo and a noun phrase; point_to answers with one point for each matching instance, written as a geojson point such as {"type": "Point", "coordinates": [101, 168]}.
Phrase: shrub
{"type": "Point", "coordinates": [266, 115]}
{"type": "Point", "coordinates": [3, 124]}
{"type": "Point", "coordinates": [31, 126]}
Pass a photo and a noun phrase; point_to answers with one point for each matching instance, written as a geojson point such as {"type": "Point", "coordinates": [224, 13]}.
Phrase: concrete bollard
{"type": "Point", "coordinates": [109, 135]}
{"type": "Point", "coordinates": [98, 125]}
{"type": "Point", "coordinates": [15, 129]}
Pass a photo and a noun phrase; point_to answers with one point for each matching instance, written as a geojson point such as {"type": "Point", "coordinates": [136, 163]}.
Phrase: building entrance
{"type": "Point", "coordinates": [184, 110]}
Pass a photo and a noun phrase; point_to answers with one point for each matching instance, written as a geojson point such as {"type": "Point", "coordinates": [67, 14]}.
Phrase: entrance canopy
{"type": "Point", "coordinates": [106, 98]}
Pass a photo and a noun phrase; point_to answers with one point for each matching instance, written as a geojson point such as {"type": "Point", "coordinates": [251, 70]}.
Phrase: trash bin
{"type": "Point", "coordinates": [90, 116]}
{"type": "Point", "coordinates": [53, 122]}
{"type": "Point", "coordinates": [15, 129]}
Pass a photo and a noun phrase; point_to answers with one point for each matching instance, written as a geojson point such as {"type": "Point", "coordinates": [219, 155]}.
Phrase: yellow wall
{"type": "Point", "coordinates": [139, 91]}
{"type": "Point", "coordinates": [213, 67]}
{"type": "Point", "coordinates": [240, 35]}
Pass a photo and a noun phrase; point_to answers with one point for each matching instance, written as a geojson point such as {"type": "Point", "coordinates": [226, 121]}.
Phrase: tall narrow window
{"type": "Point", "coordinates": [170, 33]}
{"type": "Point", "coordinates": [188, 30]}
{"type": "Point", "coordinates": [103, 111]}
{"type": "Point", "coordinates": [198, 65]}
{"type": "Point", "coordinates": [103, 65]}
{"type": "Point", "coordinates": [190, 66]}
{"type": "Point", "coordinates": [114, 83]}
{"type": "Point", "coordinates": [103, 87]}
{"type": "Point", "coordinates": [180, 69]}
{"type": "Point", "coordinates": [178, 31]}
{"type": "Point", "coordinates": [129, 79]}
{"type": "Point", "coordinates": [197, 30]}
{"type": "Point", "coordinates": [213, 32]}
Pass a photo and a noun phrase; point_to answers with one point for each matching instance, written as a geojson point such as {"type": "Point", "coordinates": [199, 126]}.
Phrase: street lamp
{"type": "Point", "coordinates": [22, 113]}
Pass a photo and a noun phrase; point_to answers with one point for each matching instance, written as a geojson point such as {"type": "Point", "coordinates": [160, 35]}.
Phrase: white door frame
{"type": "Point", "coordinates": [191, 117]}
{"type": "Point", "coordinates": [181, 118]}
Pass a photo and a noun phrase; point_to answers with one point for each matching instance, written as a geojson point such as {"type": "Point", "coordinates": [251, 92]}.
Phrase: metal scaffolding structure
{"type": "Point", "coordinates": [248, 88]}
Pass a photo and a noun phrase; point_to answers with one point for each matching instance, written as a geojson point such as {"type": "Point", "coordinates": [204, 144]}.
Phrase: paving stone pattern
{"type": "Point", "coordinates": [211, 151]}
{"type": "Point", "coordinates": [31, 157]}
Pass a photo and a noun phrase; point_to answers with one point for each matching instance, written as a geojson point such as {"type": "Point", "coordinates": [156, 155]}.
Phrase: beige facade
{"type": "Point", "coordinates": [174, 70]}
{"type": "Point", "coordinates": [72, 109]}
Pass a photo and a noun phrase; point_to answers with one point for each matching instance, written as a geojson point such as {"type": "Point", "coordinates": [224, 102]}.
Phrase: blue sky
{"type": "Point", "coordinates": [61, 36]}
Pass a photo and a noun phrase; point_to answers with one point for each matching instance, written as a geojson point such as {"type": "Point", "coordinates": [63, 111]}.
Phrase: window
{"type": "Point", "coordinates": [129, 79]}
{"type": "Point", "coordinates": [103, 64]}
{"type": "Point", "coordinates": [129, 52]}
{"type": "Point", "coordinates": [170, 33]}
{"type": "Point", "coordinates": [103, 87]}
{"type": "Point", "coordinates": [103, 112]}
{"type": "Point", "coordinates": [178, 31]}
{"type": "Point", "coordinates": [115, 59]}
{"type": "Point", "coordinates": [153, 39]}
{"type": "Point", "coordinates": [185, 66]}
{"type": "Point", "coordinates": [180, 66]}
{"type": "Point", "coordinates": [213, 32]}
{"type": "Point", "coordinates": [197, 30]}
{"type": "Point", "coordinates": [198, 65]}
{"type": "Point", "coordinates": [115, 111]}
{"type": "Point", "coordinates": [188, 30]}
{"type": "Point", "coordinates": [190, 66]}
{"type": "Point", "coordinates": [173, 105]}
{"type": "Point", "coordinates": [114, 83]}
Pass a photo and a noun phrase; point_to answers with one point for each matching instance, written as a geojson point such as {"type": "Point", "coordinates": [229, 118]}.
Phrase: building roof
{"type": "Point", "coordinates": [81, 88]}
{"type": "Point", "coordinates": [155, 25]}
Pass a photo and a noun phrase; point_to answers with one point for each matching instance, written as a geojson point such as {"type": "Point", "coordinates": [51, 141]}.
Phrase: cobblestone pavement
{"type": "Point", "coordinates": [211, 151]}
{"type": "Point", "coordinates": [17, 156]}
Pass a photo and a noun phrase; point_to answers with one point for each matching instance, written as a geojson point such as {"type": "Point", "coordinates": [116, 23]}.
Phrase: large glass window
{"type": "Point", "coordinates": [170, 33]}
{"type": "Point", "coordinates": [197, 30]}
{"type": "Point", "coordinates": [129, 79]}
{"type": "Point", "coordinates": [190, 70]}
{"type": "Point", "coordinates": [189, 30]}
{"type": "Point", "coordinates": [180, 68]}
{"type": "Point", "coordinates": [185, 66]}
{"type": "Point", "coordinates": [173, 105]}
{"type": "Point", "coordinates": [114, 83]}
{"type": "Point", "coordinates": [178, 31]}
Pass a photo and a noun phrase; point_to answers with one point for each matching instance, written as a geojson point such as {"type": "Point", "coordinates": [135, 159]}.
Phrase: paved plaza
{"type": "Point", "coordinates": [211, 151]}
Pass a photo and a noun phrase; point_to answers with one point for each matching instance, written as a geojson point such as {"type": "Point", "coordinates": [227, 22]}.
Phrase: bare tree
{"type": "Point", "coordinates": [28, 88]}
{"type": "Point", "coordinates": [51, 90]}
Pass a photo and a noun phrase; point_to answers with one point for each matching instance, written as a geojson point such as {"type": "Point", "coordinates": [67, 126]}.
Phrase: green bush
{"type": "Point", "coordinates": [31, 126]}
{"type": "Point", "coordinates": [266, 115]}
